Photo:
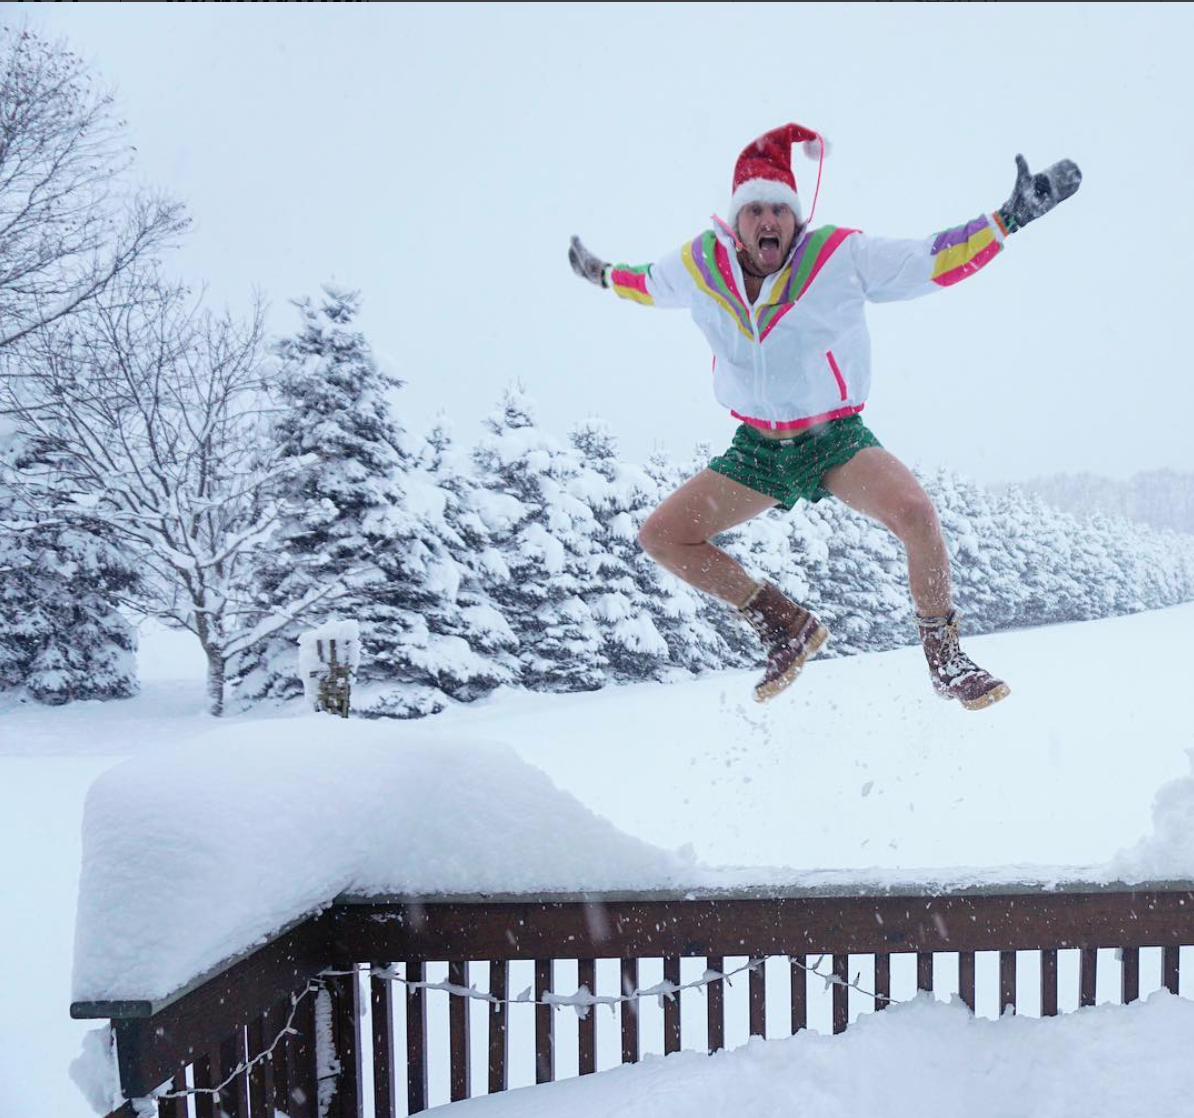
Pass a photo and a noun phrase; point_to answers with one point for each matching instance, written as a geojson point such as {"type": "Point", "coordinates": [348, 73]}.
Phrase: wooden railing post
{"type": "Point", "coordinates": [629, 1012]}
{"type": "Point", "coordinates": [966, 978]}
{"type": "Point", "coordinates": [499, 1037]}
{"type": "Point", "coordinates": [841, 993]}
{"type": "Point", "coordinates": [672, 1039]}
{"type": "Point", "coordinates": [416, 1039]}
{"type": "Point", "coordinates": [381, 1006]}
{"type": "Point", "coordinates": [545, 1026]}
{"type": "Point", "coordinates": [882, 980]}
{"type": "Point", "coordinates": [758, 998]}
{"type": "Point", "coordinates": [587, 1031]}
{"type": "Point", "coordinates": [205, 1104]}
{"type": "Point", "coordinates": [716, 1007]}
{"type": "Point", "coordinates": [1130, 975]}
{"type": "Point", "coordinates": [345, 1085]}
{"type": "Point", "coordinates": [233, 1100]}
{"type": "Point", "coordinates": [1170, 969]}
{"type": "Point", "coordinates": [1049, 982]}
{"type": "Point", "coordinates": [1007, 982]}
{"type": "Point", "coordinates": [924, 971]}
{"type": "Point", "coordinates": [460, 1071]}
{"type": "Point", "coordinates": [258, 1087]}
{"type": "Point", "coordinates": [1088, 976]}
{"type": "Point", "coordinates": [174, 1107]}
{"type": "Point", "coordinates": [304, 1061]}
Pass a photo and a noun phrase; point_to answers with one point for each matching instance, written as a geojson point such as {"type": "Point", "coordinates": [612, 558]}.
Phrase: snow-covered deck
{"type": "Point", "coordinates": [860, 768]}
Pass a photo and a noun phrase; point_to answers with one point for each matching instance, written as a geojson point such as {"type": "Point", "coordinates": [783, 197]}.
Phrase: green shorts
{"type": "Point", "coordinates": [789, 469]}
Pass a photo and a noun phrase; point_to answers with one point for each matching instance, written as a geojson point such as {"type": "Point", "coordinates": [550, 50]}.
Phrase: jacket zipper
{"type": "Point", "coordinates": [757, 349]}
{"type": "Point", "coordinates": [760, 362]}
{"type": "Point", "coordinates": [760, 366]}
{"type": "Point", "coordinates": [768, 284]}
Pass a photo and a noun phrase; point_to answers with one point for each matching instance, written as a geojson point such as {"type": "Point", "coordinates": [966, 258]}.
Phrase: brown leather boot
{"type": "Point", "coordinates": [954, 674]}
{"type": "Point", "coordinates": [790, 635]}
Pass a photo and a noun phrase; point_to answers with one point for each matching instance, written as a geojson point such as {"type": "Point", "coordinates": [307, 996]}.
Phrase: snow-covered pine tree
{"type": "Point", "coordinates": [1038, 539]}
{"type": "Point", "coordinates": [620, 497]}
{"type": "Point", "coordinates": [683, 615]}
{"type": "Point", "coordinates": [363, 514]}
{"type": "Point", "coordinates": [62, 635]}
{"type": "Point", "coordinates": [856, 573]}
{"type": "Point", "coordinates": [1156, 568]}
{"type": "Point", "coordinates": [547, 539]}
{"type": "Point", "coordinates": [1062, 586]}
{"type": "Point", "coordinates": [1098, 565]}
{"type": "Point", "coordinates": [716, 637]}
{"type": "Point", "coordinates": [488, 652]}
{"type": "Point", "coordinates": [981, 533]}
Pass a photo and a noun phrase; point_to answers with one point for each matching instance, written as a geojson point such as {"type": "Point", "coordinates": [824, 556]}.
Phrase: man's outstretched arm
{"type": "Point", "coordinates": [899, 269]}
{"type": "Point", "coordinates": [663, 284]}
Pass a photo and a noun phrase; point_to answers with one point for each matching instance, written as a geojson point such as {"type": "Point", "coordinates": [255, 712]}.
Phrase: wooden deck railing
{"type": "Point", "coordinates": [316, 975]}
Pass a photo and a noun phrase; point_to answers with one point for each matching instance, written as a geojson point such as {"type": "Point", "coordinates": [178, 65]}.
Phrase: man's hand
{"type": "Point", "coordinates": [586, 265]}
{"type": "Point", "coordinates": [1034, 195]}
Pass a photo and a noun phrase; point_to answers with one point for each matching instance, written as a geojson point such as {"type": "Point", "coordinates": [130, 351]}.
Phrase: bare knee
{"type": "Point", "coordinates": [913, 516]}
{"type": "Point", "coordinates": [653, 537]}
{"type": "Point", "coordinates": [659, 535]}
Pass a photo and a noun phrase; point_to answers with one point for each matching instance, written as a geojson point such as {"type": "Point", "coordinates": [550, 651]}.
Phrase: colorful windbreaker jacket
{"type": "Point", "coordinates": [801, 354]}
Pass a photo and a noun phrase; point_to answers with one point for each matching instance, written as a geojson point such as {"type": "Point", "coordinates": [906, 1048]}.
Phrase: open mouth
{"type": "Point", "coordinates": [768, 243]}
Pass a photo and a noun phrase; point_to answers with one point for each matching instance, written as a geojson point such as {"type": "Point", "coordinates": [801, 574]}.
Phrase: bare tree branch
{"type": "Point", "coordinates": [68, 228]}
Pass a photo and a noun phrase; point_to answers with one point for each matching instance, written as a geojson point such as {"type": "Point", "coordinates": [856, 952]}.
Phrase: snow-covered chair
{"type": "Point", "coordinates": [328, 657]}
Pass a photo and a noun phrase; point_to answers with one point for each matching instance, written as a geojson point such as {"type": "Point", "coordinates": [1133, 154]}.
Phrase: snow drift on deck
{"type": "Point", "coordinates": [194, 854]}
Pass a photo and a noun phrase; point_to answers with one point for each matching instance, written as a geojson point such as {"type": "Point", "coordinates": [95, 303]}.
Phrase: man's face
{"type": "Point", "coordinates": [766, 230]}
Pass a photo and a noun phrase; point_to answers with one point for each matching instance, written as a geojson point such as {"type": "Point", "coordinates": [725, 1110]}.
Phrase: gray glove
{"type": "Point", "coordinates": [586, 265]}
{"type": "Point", "coordinates": [1034, 195]}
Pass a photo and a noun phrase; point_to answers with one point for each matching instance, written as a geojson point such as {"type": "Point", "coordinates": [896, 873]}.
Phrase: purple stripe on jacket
{"type": "Point", "coordinates": [960, 235]}
{"type": "Point", "coordinates": [797, 258]}
{"type": "Point", "coordinates": [698, 258]}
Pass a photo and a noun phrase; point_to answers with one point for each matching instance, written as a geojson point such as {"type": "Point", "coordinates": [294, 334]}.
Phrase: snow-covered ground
{"type": "Point", "coordinates": [922, 1059]}
{"type": "Point", "coordinates": [860, 768]}
{"type": "Point", "coordinates": [861, 765]}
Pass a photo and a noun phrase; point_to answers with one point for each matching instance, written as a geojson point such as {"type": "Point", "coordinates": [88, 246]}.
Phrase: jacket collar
{"type": "Point", "coordinates": [726, 236]}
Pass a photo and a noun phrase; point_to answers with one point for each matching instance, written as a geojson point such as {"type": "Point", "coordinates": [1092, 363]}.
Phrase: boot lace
{"type": "Point", "coordinates": [955, 665]}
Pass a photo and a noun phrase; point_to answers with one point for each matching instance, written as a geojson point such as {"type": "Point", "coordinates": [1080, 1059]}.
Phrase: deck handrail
{"type": "Point", "coordinates": [222, 1020]}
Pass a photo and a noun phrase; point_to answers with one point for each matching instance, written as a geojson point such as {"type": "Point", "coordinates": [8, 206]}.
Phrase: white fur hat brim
{"type": "Point", "coordinates": [764, 190]}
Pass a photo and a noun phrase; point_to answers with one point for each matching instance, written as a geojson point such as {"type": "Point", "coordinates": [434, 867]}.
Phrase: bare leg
{"type": "Point", "coordinates": [677, 533]}
{"type": "Point", "coordinates": [877, 483]}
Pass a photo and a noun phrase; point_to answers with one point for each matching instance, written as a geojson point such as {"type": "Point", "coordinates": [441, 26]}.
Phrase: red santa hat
{"type": "Point", "coordinates": [763, 172]}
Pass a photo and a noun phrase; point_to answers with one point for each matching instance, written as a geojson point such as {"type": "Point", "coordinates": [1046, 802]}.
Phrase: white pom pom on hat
{"type": "Point", "coordinates": [763, 172]}
{"type": "Point", "coordinates": [812, 148]}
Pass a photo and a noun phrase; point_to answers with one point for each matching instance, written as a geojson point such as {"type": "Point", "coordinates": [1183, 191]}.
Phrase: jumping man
{"type": "Point", "coordinates": [783, 308]}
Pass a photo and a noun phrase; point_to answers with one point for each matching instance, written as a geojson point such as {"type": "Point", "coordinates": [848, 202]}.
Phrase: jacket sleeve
{"type": "Point", "coordinates": [663, 284]}
{"type": "Point", "coordinates": [898, 269]}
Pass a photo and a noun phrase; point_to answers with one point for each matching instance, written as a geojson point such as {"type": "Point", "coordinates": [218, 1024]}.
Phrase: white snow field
{"type": "Point", "coordinates": [859, 770]}
{"type": "Point", "coordinates": [922, 1059]}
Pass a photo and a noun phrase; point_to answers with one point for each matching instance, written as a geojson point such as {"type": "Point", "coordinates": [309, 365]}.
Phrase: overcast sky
{"type": "Point", "coordinates": [437, 158]}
